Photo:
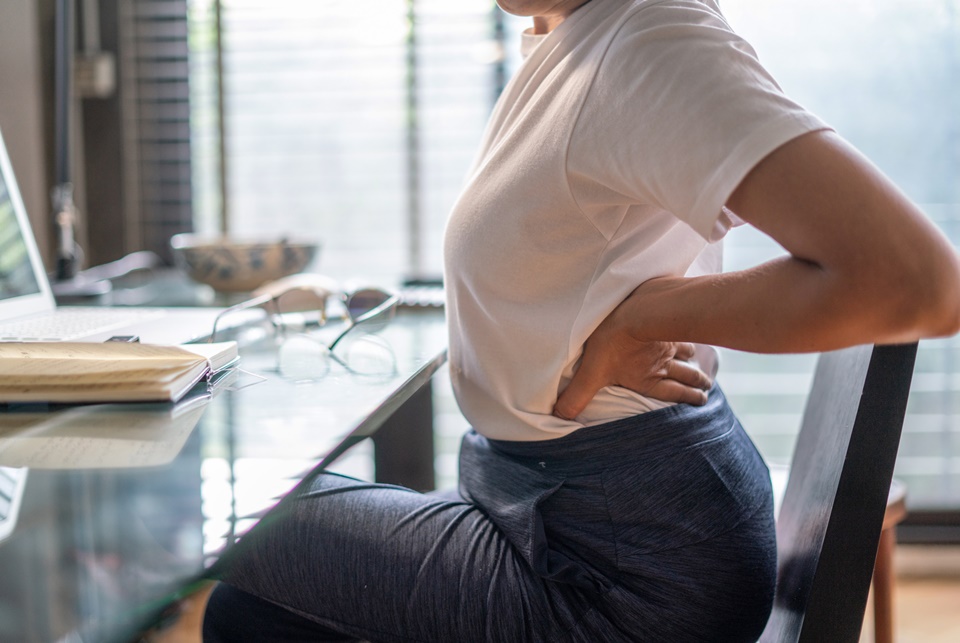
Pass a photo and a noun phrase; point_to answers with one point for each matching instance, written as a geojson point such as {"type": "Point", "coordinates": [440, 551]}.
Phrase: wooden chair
{"type": "Point", "coordinates": [884, 580]}
{"type": "Point", "coordinates": [833, 509]}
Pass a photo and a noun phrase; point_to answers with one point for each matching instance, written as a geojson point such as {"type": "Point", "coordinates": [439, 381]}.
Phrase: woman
{"type": "Point", "coordinates": [608, 492]}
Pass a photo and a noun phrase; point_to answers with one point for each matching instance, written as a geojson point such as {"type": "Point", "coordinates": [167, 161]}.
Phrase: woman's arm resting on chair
{"type": "Point", "coordinates": [864, 266]}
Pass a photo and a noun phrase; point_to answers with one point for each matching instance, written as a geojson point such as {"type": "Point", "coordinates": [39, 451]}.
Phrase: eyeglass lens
{"type": "Point", "coordinates": [365, 301]}
{"type": "Point", "coordinates": [370, 310]}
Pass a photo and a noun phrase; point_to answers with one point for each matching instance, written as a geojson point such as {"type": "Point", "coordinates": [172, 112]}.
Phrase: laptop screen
{"type": "Point", "coordinates": [17, 276]}
{"type": "Point", "coordinates": [24, 288]}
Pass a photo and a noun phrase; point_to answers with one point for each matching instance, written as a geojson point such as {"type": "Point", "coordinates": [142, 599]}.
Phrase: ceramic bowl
{"type": "Point", "coordinates": [231, 265]}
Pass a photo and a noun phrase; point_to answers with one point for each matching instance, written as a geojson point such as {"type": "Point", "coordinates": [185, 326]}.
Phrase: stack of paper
{"type": "Point", "coordinates": [71, 372]}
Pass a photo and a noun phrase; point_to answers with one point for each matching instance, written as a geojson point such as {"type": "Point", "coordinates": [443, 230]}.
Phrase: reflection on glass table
{"type": "Point", "coordinates": [101, 436]}
{"type": "Point", "coordinates": [125, 506]}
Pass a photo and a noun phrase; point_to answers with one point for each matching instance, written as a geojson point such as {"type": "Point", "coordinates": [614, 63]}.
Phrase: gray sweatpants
{"type": "Point", "coordinates": [652, 528]}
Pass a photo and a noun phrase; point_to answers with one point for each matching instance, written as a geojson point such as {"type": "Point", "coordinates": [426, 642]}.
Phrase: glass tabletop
{"type": "Point", "coordinates": [107, 512]}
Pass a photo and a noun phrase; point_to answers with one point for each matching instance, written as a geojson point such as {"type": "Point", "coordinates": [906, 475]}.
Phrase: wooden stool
{"type": "Point", "coordinates": [883, 576]}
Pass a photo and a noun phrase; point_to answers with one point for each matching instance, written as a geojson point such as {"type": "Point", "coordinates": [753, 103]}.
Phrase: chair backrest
{"type": "Point", "coordinates": [829, 524]}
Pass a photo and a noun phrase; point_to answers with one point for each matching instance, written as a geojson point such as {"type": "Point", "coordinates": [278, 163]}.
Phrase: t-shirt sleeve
{"type": "Point", "coordinates": [679, 112]}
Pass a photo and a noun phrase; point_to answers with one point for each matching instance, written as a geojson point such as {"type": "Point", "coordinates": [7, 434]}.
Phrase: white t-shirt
{"type": "Point", "coordinates": [607, 161]}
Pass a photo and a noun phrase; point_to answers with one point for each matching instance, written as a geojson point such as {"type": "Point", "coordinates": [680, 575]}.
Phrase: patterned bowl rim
{"type": "Point", "coordinates": [192, 241]}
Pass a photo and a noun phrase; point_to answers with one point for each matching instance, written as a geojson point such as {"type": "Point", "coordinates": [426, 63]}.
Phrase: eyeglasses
{"type": "Point", "coordinates": [365, 311]}
{"type": "Point", "coordinates": [304, 357]}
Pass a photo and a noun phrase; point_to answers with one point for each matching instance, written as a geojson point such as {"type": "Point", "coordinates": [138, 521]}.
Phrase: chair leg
{"type": "Point", "coordinates": [883, 588]}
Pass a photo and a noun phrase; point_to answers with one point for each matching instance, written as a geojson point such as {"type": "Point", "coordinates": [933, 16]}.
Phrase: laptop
{"type": "Point", "coordinates": [28, 311]}
{"type": "Point", "coordinates": [12, 482]}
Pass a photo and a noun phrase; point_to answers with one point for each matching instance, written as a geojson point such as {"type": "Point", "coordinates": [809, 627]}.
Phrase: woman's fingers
{"type": "Point", "coordinates": [688, 374]}
{"type": "Point", "coordinates": [680, 382]}
{"type": "Point", "coordinates": [684, 350]}
{"type": "Point", "coordinates": [588, 379]}
{"type": "Point", "coordinates": [674, 391]}
{"type": "Point", "coordinates": [659, 370]}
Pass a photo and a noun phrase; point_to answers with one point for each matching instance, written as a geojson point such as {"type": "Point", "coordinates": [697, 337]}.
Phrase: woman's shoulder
{"type": "Point", "coordinates": [659, 23]}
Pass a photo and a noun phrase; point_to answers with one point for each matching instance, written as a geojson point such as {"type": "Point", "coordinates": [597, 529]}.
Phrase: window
{"type": "Point", "coordinates": [356, 122]}
{"type": "Point", "coordinates": [886, 75]}
{"type": "Point", "coordinates": [351, 122]}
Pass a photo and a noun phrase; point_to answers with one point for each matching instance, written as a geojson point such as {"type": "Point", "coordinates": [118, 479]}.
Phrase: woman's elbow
{"type": "Point", "coordinates": [945, 308]}
{"type": "Point", "coordinates": [929, 305]}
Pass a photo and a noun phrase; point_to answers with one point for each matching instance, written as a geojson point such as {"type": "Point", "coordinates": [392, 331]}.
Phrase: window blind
{"type": "Point", "coordinates": [155, 107]}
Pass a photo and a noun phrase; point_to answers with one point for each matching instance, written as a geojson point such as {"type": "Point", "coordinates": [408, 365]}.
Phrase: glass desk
{"type": "Point", "coordinates": [120, 508]}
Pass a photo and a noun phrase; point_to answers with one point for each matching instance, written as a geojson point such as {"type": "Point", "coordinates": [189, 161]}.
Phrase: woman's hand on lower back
{"type": "Point", "coordinates": [614, 356]}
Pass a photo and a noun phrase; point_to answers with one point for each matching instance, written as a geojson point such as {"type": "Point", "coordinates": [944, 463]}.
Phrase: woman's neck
{"type": "Point", "coordinates": [545, 24]}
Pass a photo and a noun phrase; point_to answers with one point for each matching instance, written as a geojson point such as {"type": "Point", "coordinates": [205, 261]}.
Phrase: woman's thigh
{"type": "Point", "coordinates": [384, 563]}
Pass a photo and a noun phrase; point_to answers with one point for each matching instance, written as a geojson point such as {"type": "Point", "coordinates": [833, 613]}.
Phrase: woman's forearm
{"type": "Point", "coordinates": [783, 306]}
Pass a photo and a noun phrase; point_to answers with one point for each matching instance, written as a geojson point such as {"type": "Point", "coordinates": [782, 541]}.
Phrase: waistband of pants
{"type": "Point", "coordinates": [624, 441]}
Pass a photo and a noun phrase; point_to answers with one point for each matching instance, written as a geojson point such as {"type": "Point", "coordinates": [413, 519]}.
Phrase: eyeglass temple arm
{"type": "Point", "coordinates": [383, 308]}
{"type": "Point", "coordinates": [262, 300]}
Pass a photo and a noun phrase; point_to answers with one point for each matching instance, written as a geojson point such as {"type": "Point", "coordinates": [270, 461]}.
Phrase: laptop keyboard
{"type": "Point", "coordinates": [66, 324]}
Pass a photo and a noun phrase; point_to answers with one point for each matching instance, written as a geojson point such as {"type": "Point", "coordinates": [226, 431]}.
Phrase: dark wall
{"type": "Point", "coordinates": [21, 108]}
